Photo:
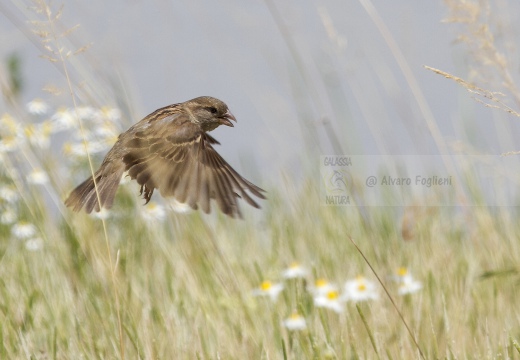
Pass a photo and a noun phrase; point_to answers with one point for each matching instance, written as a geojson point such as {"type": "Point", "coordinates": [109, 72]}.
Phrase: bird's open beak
{"type": "Point", "coordinates": [225, 119]}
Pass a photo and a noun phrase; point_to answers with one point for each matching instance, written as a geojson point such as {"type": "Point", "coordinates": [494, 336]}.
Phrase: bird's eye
{"type": "Point", "coordinates": [212, 109]}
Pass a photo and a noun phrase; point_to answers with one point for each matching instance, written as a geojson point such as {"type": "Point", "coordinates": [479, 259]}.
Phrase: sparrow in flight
{"type": "Point", "coordinates": [171, 150]}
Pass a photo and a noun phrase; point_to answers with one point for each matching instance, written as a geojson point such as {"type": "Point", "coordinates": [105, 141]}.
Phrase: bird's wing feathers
{"type": "Point", "coordinates": [177, 157]}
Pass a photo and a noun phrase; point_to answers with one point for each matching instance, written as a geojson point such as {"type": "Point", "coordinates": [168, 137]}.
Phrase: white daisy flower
{"type": "Point", "coordinates": [37, 107]}
{"type": "Point", "coordinates": [86, 134]}
{"type": "Point", "coordinates": [179, 207]}
{"type": "Point", "coordinates": [23, 230]}
{"type": "Point", "coordinates": [9, 144]}
{"type": "Point", "coordinates": [360, 289]}
{"type": "Point", "coordinates": [329, 300]}
{"type": "Point", "coordinates": [107, 130]}
{"type": "Point", "coordinates": [407, 284]}
{"type": "Point", "coordinates": [11, 134]}
{"type": "Point", "coordinates": [9, 194]}
{"type": "Point", "coordinates": [38, 177]}
{"type": "Point", "coordinates": [9, 125]}
{"type": "Point", "coordinates": [152, 212]}
{"type": "Point", "coordinates": [111, 114]}
{"type": "Point", "coordinates": [39, 134]}
{"type": "Point", "coordinates": [267, 288]}
{"type": "Point", "coordinates": [34, 244]}
{"type": "Point", "coordinates": [87, 113]}
{"type": "Point", "coordinates": [78, 149]}
{"type": "Point", "coordinates": [8, 217]}
{"type": "Point", "coordinates": [295, 322]}
{"type": "Point", "coordinates": [101, 215]}
{"type": "Point", "coordinates": [63, 119]}
{"type": "Point", "coordinates": [401, 274]}
{"type": "Point", "coordinates": [322, 287]}
{"type": "Point", "coordinates": [294, 271]}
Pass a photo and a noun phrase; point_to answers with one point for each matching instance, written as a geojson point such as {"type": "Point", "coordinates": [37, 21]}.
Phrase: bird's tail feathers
{"type": "Point", "coordinates": [85, 195]}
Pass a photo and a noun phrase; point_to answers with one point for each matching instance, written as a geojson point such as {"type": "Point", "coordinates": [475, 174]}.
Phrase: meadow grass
{"type": "Point", "coordinates": [147, 283]}
{"type": "Point", "coordinates": [186, 285]}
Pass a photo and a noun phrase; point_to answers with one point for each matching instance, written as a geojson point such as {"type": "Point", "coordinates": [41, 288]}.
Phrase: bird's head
{"type": "Point", "coordinates": [209, 112]}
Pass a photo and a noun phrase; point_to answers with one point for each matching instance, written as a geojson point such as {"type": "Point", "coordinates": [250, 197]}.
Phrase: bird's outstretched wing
{"type": "Point", "coordinates": [176, 157]}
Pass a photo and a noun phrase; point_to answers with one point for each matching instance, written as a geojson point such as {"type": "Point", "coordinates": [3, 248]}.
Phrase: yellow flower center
{"type": "Point", "coordinates": [47, 128]}
{"type": "Point", "coordinates": [67, 148]}
{"type": "Point", "coordinates": [294, 265]}
{"type": "Point", "coordinates": [295, 316]}
{"type": "Point", "coordinates": [362, 287]}
{"type": "Point", "coordinates": [9, 140]}
{"type": "Point", "coordinates": [402, 271]}
{"type": "Point", "coordinates": [29, 130]}
{"type": "Point", "coordinates": [8, 121]}
{"type": "Point", "coordinates": [266, 285]}
{"type": "Point", "coordinates": [332, 295]}
{"type": "Point", "coordinates": [321, 283]}
{"type": "Point", "coordinates": [112, 139]}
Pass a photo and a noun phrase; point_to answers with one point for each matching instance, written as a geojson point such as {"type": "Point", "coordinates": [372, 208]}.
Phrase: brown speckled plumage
{"type": "Point", "coordinates": [169, 150]}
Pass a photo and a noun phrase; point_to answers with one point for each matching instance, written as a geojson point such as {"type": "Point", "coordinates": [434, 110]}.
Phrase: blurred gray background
{"type": "Point", "coordinates": [303, 78]}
